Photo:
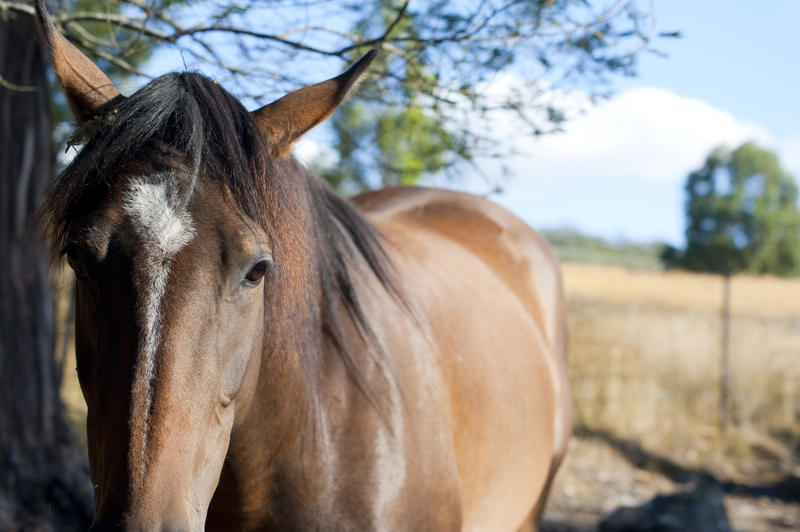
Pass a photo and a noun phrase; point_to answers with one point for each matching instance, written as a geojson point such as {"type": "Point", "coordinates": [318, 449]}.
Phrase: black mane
{"type": "Point", "coordinates": [316, 235]}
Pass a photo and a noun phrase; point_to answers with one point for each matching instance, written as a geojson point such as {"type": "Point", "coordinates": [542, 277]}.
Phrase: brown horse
{"type": "Point", "coordinates": [257, 353]}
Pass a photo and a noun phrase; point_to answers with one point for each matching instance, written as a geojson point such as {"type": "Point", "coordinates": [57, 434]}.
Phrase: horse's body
{"type": "Point", "coordinates": [478, 405]}
{"type": "Point", "coordinates": [491, 292]}
{"type": "Point", "coordinates": [258, 354]}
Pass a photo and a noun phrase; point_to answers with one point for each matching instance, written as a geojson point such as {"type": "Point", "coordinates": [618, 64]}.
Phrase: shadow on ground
{"type": "Point", "coordinates": [697, 500]}
{"type": "Point", "coordinates": [786, 489]}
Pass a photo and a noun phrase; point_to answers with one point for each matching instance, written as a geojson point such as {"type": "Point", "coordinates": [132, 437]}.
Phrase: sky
{"type": "Point", "coordinates": [618, 170]}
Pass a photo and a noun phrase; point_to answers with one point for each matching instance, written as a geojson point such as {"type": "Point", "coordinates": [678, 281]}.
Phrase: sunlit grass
{"type": "Point", "coordinates": [644, 363]}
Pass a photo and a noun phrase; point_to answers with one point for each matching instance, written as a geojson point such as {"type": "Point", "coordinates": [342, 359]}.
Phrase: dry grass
{"type": "Point", "coordinates": [645, 349]}
{"type": "Point", "coordinates": [750, 295]}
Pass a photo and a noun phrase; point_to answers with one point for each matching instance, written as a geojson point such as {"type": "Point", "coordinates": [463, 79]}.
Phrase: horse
{"type": "Point", "coordinates": [258, 353]}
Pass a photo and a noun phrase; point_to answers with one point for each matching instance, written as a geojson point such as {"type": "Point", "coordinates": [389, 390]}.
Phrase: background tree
{"type": "Point", "coordinates": [44, 480]}
{"type": "Point", "coordinates": [741, 216]}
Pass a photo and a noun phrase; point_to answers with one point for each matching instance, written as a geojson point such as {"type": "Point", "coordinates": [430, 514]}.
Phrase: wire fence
{"type": "Point", "coordinates": [645, 353]}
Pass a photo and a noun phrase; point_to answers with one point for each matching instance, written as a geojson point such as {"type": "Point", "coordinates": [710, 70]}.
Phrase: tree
{"type": "Point", "coordinates": [44, 477]}
{"type": "Point", "coordinates": [434, 80]}
{"type": "Point", "coordinates": [396, 145]}
{"type": "Point", "coordinates": [741, 216]}
{"type": "Point", "coordinates": [427, 109]}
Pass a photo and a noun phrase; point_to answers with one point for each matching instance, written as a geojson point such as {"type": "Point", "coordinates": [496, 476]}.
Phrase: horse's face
{"type": "Point", "coordinates": [169, 329]}
{"type": "Point", "coordinates": [175, 283]}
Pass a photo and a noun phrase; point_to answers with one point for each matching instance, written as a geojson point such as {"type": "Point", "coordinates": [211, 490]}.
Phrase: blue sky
{"type": "Point", "coordinates": [738, 55]}
{"type": "Point", "coordinates": [618, 171]}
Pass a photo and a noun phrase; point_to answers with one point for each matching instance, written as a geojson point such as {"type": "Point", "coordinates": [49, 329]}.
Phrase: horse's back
{"type": "Point", "coordinates": [511, 248]}
{"type": "Point", "coordinates": [490, 292]}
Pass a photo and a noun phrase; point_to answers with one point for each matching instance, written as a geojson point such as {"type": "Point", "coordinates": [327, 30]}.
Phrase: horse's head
{"type": "Point", "coordinates": [172, 217]}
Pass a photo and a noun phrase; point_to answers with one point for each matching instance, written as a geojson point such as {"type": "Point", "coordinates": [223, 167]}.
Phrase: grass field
{"type": "Point", "coordinates": [644, 360]}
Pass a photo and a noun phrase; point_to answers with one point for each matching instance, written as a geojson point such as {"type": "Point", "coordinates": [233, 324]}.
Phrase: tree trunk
{"type": "Point", "coordinates": [44, 481]}
{"type": "Point", "coordinates": [724, 363]}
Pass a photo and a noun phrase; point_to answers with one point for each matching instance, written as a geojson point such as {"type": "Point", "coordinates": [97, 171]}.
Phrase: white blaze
{"type": "Point", "coordinates": [162, 232]}
{"type": "Point", "coordinates": [159, 226]}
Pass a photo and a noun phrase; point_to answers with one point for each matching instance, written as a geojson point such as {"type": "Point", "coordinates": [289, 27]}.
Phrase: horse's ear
{"type": "Point", "coordinates": [85, 85]}
{"type": "Point", "coordinates": [285, 120]}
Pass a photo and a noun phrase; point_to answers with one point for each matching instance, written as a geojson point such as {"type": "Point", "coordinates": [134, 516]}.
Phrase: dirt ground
{"type": "Point", "coordinates": [601, 474]}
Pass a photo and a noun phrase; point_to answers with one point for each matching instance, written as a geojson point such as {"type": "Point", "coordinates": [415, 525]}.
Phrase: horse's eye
{"type": "Point", "coordinates": [256, 273]}
{"type": "Point", "coordinates": [75, 262]}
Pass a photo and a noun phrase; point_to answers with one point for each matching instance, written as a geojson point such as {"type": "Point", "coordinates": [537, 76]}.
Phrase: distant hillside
{"type": "Point", "coordinates": [573, 246]}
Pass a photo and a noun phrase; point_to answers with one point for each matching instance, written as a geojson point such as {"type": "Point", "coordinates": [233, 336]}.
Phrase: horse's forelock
{"type": "Point", "coordinates": [180, 121]}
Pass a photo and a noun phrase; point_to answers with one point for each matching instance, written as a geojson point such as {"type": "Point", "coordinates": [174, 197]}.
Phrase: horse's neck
{"type": "Point", "coordinates": [293, 433]}
{"type": "Point", "coordinates": [278, 451]}
{"type": "Point", "coordinates": [270, 434]}
{"type": "Point", "coordinates": [299, 411]}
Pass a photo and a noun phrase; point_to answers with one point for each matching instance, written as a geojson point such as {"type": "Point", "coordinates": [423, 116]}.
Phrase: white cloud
{"type": "Point", "coordinates": [643, 133]}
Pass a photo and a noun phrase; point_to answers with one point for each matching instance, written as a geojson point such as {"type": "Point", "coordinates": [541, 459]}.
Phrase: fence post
{"type": "Point", "coordinates": [724, 363]}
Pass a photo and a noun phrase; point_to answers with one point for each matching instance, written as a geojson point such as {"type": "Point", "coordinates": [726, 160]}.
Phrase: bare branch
{"type": "Point", "coordinates": [440, 55]}
{"type": "Point", "coordinates": [14, 87]}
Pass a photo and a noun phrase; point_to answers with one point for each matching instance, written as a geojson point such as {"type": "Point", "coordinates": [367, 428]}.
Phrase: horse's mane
{"type": "Point", "coordinates": [317, 236]}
